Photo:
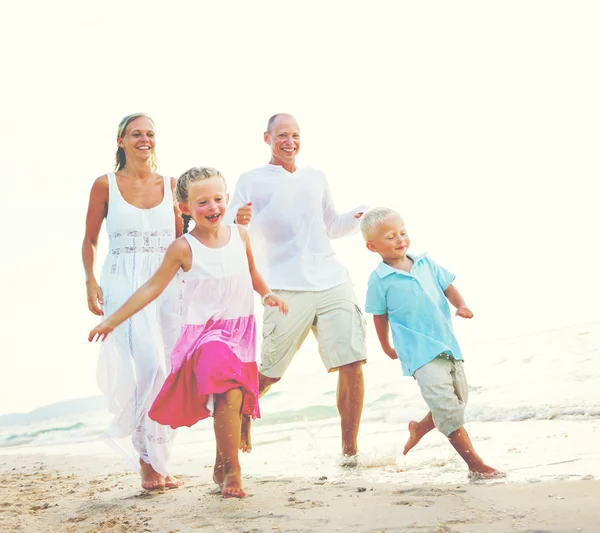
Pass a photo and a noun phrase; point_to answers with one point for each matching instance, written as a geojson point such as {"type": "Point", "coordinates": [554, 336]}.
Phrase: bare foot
{"type": "Point", "coordinates": [349, 461]}
{"type": "Point", "coordinates": [151, 479]}
{"type": "Point", "coordinates": [245, 440]}
{"type": "Point", "coordinates": [232, 485]}
{"type": "Point", "coordinates": [172, 482]}
{"type": "Point", "coordinates": [414, 436]}
{"type": "Point", "coordinates": [218, 473]}
{"type": "Point", "coordinates": [485, 472]}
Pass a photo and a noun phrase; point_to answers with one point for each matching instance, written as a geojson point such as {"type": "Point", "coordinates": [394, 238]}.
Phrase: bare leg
{"type": "Point", "coordinates": [417, 430]}
{"type": "Point", "coordinates": [171, 482]}
{"type": "Point", "coordinates": [264, 384]}
{"type": "Point", "coordinates": [463, 445]}
{"type": "Point", "coordinates": [350, 397]}
{"type": "Point", "coordinates": [218, 474]}
{"type": "Point", "coordinates": [227, 427]}
{"type": "Point", "coordinates": [151, 479]}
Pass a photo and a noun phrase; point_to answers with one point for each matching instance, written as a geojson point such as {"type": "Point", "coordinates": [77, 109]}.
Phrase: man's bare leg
{"type": "Point", "coordinates": [264, 384]}
{"type": "Point", "coordinates": [463, 445]}
{"type": "Point", "coordinates": [151, 479]}
{"type": "Point", "coordinates": [417, 430]}
{"type": "Point", "coordinates": [350, 398]}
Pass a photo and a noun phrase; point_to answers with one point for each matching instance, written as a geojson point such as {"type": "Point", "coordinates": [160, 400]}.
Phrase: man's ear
{"type": "Point", "coordinates": [184, 208]}
{"type": "Point", "coordinates": [267, 137]}
{"type": "Point", "coordinates": [371, 246]}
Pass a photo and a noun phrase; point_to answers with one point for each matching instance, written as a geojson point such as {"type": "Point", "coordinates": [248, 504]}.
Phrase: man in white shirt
{"type": "Point", "coordinates": [293, 220]}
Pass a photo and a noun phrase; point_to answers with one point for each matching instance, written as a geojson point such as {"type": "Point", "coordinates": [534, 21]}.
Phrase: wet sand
{"type": "Point", "coordinates": [87, 494]}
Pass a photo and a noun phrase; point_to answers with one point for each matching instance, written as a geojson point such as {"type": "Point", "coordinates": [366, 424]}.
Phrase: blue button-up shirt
{"type": "Point", "coordinates": [417, 309]}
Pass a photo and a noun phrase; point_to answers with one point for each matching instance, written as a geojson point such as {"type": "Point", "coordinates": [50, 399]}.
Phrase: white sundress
{"type": "Point", "coordinates": [135, 358]}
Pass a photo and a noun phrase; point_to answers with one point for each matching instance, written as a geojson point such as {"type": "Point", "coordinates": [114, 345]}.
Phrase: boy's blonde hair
{"type": "Point", "coordinates": [372, 218]}
{"type": "Point", "coordinates": [190, 176]}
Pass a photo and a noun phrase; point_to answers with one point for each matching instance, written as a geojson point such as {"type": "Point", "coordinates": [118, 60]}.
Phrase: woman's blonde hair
{"type": "Point", "coordinates": [190, 176]}
{"type": "Point", "coordinates": [120, 158]}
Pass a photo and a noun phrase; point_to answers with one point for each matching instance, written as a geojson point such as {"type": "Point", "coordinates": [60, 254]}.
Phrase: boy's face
{"type": "Point", "coordinates": [390, 239]}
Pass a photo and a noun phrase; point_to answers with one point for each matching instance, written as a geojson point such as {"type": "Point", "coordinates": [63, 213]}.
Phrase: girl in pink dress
{"type": "Point", "coordinates": [213, 363]}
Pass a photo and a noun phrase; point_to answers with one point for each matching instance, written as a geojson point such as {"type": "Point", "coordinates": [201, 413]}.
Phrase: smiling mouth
{"type": "Point", "coordinates": [288, 150]}
{"type": "Point", "coordinates": [212, 218]}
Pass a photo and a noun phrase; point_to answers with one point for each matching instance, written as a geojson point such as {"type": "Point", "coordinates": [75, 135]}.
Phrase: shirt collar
{"type": "Point", "coordinates": [384, 270]}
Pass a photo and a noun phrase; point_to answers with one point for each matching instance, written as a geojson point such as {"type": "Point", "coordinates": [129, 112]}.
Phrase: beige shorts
{"type": "Point", "coordinates": [335, 319]}
{"type": "Point", "coordinates": [444, 388]}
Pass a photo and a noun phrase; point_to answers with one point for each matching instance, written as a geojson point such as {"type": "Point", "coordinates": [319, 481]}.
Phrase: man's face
{"type": "Point", "coordinates": [284, 139]}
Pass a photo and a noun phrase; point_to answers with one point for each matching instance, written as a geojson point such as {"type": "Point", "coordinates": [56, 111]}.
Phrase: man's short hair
{"type": "Point", "coordinates": [372, 218]}
{"type": "Point", "coordinates": [273, 119]}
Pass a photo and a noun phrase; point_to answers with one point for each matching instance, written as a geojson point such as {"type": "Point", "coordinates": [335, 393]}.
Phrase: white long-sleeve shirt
{"type": "Point", "coordinates": [293, 220]}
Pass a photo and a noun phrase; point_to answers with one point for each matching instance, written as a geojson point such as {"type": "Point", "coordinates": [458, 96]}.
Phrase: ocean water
{"type": "Point", "coordinates": [534, 412]}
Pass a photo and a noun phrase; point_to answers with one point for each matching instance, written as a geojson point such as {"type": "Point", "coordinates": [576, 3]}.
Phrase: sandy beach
{"type": "Point", "coordinates": [84, 494]}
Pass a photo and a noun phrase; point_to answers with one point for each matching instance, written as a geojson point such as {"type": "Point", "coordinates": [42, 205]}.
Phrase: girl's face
{"type": "Point", "coordinates": [139, 139]}
{"type": "Point", "coordinates": [207, 202]}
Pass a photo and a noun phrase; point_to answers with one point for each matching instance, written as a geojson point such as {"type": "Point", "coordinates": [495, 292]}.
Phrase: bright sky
{"type": "Point", "coordinates": [479, 121]}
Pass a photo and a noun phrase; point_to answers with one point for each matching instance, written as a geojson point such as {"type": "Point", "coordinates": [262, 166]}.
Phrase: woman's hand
{"type": "Point", "coordinates": [100, 332]}
{"type": "Point", "coordinates": [94, 297]}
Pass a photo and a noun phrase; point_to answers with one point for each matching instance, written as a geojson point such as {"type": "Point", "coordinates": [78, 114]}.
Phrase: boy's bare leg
{"type": "Point", "coordinates": [264, 384]}
{"type": "Point", "coordinates": [417, 430]}
{"type": "Point", "coordinates": [463, 445]}
{"type": "Point", "coordinates": [227, 425]}
{"type": "Point", "coordinates": [151, 479]}
{"type": "Point", "coordinates": [350, 398]}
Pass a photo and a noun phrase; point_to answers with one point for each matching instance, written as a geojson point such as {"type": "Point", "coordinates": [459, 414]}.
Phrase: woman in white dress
{"type": "Point", "coordinates": [141, 221]}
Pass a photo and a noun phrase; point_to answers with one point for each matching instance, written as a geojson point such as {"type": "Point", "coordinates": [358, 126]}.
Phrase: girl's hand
{"type": "Point", "coordinates": [359, 214]}
{"type": "Point", "coordinates": [464, 312]}
{"type": "Point", "coordinates": [100, 332]}
{"type": "Point", "coordinates": [94, 297]}
{"type": "Point", "coordinates": [273, 301]}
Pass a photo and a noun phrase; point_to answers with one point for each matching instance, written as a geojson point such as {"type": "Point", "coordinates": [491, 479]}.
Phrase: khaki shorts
{"type": "Point", "coordinates": [444, 388]}
{"type": "Point", "coordinates": [335, 319]}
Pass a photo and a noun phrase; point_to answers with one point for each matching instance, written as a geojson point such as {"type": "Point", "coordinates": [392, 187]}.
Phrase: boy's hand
{"type": "Point", "coordinates": [391, 353]}
{"type": "Point", "coordinates": [273, 301]}
{"type": "Point", "coordinates": [100, 332]}
{"type": "Point", "coordinates": [464, 312]}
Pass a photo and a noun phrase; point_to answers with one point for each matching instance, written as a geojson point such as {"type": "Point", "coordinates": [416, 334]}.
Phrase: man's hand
{"type": "Point", "coordinates": [244, 214]}
{"type": "Point", "coordinates": [464, 312]}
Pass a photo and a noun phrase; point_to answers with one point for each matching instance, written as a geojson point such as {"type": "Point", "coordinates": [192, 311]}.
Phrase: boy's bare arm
{"type": "Point", "coordinates": [382, 328]}
{"type": "Point", "coordinates": [455, 298]}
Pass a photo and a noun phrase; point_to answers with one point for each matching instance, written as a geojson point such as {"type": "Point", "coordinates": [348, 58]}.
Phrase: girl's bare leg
{"type": "Point", "coordinates": [227, 425]}
{"type": "Point", "coordinates": [218, 471]}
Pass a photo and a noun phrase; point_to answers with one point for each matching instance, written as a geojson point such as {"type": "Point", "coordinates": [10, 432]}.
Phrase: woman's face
{"type": "Point", "coordinates": [139, 139]}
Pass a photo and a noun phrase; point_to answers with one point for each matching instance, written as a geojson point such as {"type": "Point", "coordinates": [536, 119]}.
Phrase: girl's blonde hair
{"type": "Point", "coordinates": [190, 176]}
{"type": "Point", "coordinates": [120, 158]}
